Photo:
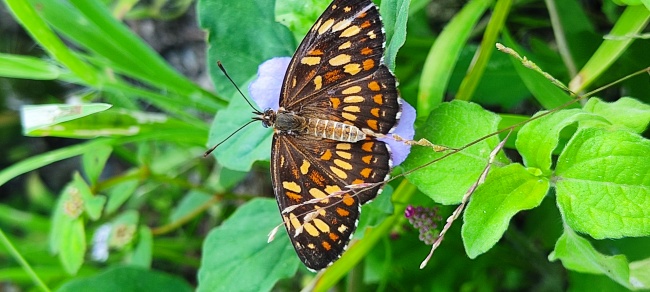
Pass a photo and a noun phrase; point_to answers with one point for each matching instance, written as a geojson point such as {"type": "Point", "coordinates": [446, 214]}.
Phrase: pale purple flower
{"type": "Point", "coordinates": [425, 220]}
{"type": "Point", "coordinates": [265, 91]}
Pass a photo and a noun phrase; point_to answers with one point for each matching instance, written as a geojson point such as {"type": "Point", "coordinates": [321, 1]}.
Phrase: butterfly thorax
{"type": "Point", "coordinates": [294, 124]}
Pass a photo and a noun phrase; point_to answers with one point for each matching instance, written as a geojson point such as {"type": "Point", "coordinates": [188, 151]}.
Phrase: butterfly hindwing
{"type": "Point", "coordinates": [306, 169]}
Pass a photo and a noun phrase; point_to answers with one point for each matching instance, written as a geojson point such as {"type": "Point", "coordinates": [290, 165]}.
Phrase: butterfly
{"type": "Point", "coordinates": [336, 92]}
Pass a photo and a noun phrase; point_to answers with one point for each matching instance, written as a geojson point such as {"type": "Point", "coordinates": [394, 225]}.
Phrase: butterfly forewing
{"type": "Point", "coordinates": [335, 75]}
{"type": "Point", "coordinates": [345, 42]}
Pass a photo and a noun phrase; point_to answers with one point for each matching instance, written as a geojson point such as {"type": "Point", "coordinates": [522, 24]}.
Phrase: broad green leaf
{"type": "Point", "coordinates": [394, 14]}
{"type": "Point", "coordinates": [242, 35]}
{"type": "Point", "coordinates": [576, 253]}
{"type": "Point", "coordinates": [252, 143]}
{"type": "Point", "coordinates": [127, 279]}
{"type": "Point", "coordinates": [143, 252]}
{"type": "Point", "coordinates": [538, 139]}
{"type": "Point", "coordinates": [93, 204]}
{"type": "Point", "coordinates": [603, 183]}
{"type": "Point", "coordinates": [93, 162]}
{"type": "Point", "coordinates": [626, 112]}
{"type": "Point", "coordinates": [505, 192]}
{"type": "Point", "coordinates": [237, 257]}
{"type": "Point", "coordinates": [189, 204]}
{"type": "Point", "coordinates": [39, 117]}
{"type": "Point", "coordinates": [453, 124]}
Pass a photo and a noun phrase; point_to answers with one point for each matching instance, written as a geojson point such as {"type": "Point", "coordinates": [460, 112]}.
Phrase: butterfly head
{"type": "Point", "coordinates": [267, 117]}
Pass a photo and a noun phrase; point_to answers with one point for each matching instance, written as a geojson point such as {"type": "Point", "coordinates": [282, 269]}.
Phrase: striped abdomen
{"type": "Point", "coordinates": [333, 130]}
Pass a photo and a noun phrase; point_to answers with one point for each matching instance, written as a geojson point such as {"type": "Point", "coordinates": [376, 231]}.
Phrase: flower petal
{"type": "Point", "coordinates": [265, 89]}
{"type": "Point", "coordinates": [404, 128]}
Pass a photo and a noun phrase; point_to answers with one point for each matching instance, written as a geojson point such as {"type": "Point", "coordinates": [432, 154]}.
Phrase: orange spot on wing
{"type": "Point", "coordinates": [374, 86]}
{"type": "Point", "coordinates": [327, 155]}
{"type": "Point", "coordinates": [348, 200]}
{"type": "Point", "coordinates": [315, 52]}
{"type": "Point", "coordinates": [293, 196]}
{"type": "Point", "coordinates": [368, 64]}
{"type": "Point", "coordinates": [366, 51]}
{"type": "Point", "coordinates": [326, 245]}
{"type": "Point", "coordinates": [365, 24]}
{"type": "Point", "coordinates": [367, 146]}
{"type": "Point", "coordinates": [335, 102]}
{"type": "Point", "coordinates": [334, 237]}
{"type": "Point", "coordinates": [333, 75]}
{"type": "Point", "coordinates": [378, 99]}
{"type": "Point", "coordinates": [366, 172]}
{"type": "Point", "coordinates": [373, 124]}
{"type": "Point", "coordinates": [367, 159]}
{"type": "Point", "coordinates": [375, 112]}
{"type": "Point", "coordinates": [317, 178]}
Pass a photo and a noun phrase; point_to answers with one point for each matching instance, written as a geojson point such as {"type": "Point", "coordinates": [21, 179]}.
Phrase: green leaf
{"type": "Point", "coordinates": [506, 191]}
{"type": "Point", "coordinates": [67, 237]}
{"type": "Point", "coordinates": [242, 34]}
{"type": "Point", "coordinates": [119, 193]}
{"type": "Point", "coordinates": [34, 117]}
{"type": "Point", "coordinates": [453, 124]}
{"type": "Point", "coordinates": [626, 112]}
{"type": "Point", "coordinates": [299, 15]}
{"type": "Point", "coordinates": [93, 204]}
{"type": "Point", "coordinates": [26, 67]}
{"type": "Point", "coordinates": [72, 245]}
{"type": "Point", "coordinates": [546, 93]}
{"type": "Point", "coordinates": [640, 273]}
{"type": "Point", "coordinates": [394, 14]}
{"type": "Point", "coordinates": [444, 53]}
{"type": "Point", "coordinates": [631, 22]}
{"type": "Point", "coordinates": [189, 204]}
{"type": "Point", "coordinates": [127, 279]}
{"type": "Point", "coordinates": [143, 252]}
{"type": "Point", "coordinates": [93, 162]}
{"type": "Point", "coordinates": [237, 257]}
{"type": "Point", "coordinates": [240, 151]}
{"type": "Point", "coordinates": [122, 122]}
{"type": "Point", "coordinates": [603, 183]}
{"type": "Point", "coordinates": [123, 229]}
{"type": "Point", "coordinates": [537, 140]}
{"type": "Point", "coordinates": [576, 253]}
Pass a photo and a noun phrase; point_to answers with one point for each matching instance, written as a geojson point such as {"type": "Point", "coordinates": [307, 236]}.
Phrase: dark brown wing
{"type": "Point", "coordinates": [303, 169]}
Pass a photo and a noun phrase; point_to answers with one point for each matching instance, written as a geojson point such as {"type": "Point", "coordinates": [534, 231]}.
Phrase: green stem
{"type": "Point", "coordinates": [23, 263]}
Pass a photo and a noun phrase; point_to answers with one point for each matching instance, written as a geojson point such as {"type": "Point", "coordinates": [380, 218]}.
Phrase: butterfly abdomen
{"type": "Point", "coordinates": [334, 130]}
{"type": "Point", "coordinates": [292, 123]}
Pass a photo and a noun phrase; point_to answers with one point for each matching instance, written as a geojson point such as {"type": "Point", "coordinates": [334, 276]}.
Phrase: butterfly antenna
{"type": "Point", "coordinates": [224, 140]}
{"type": "Point", "coordinates": [237, 87]}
